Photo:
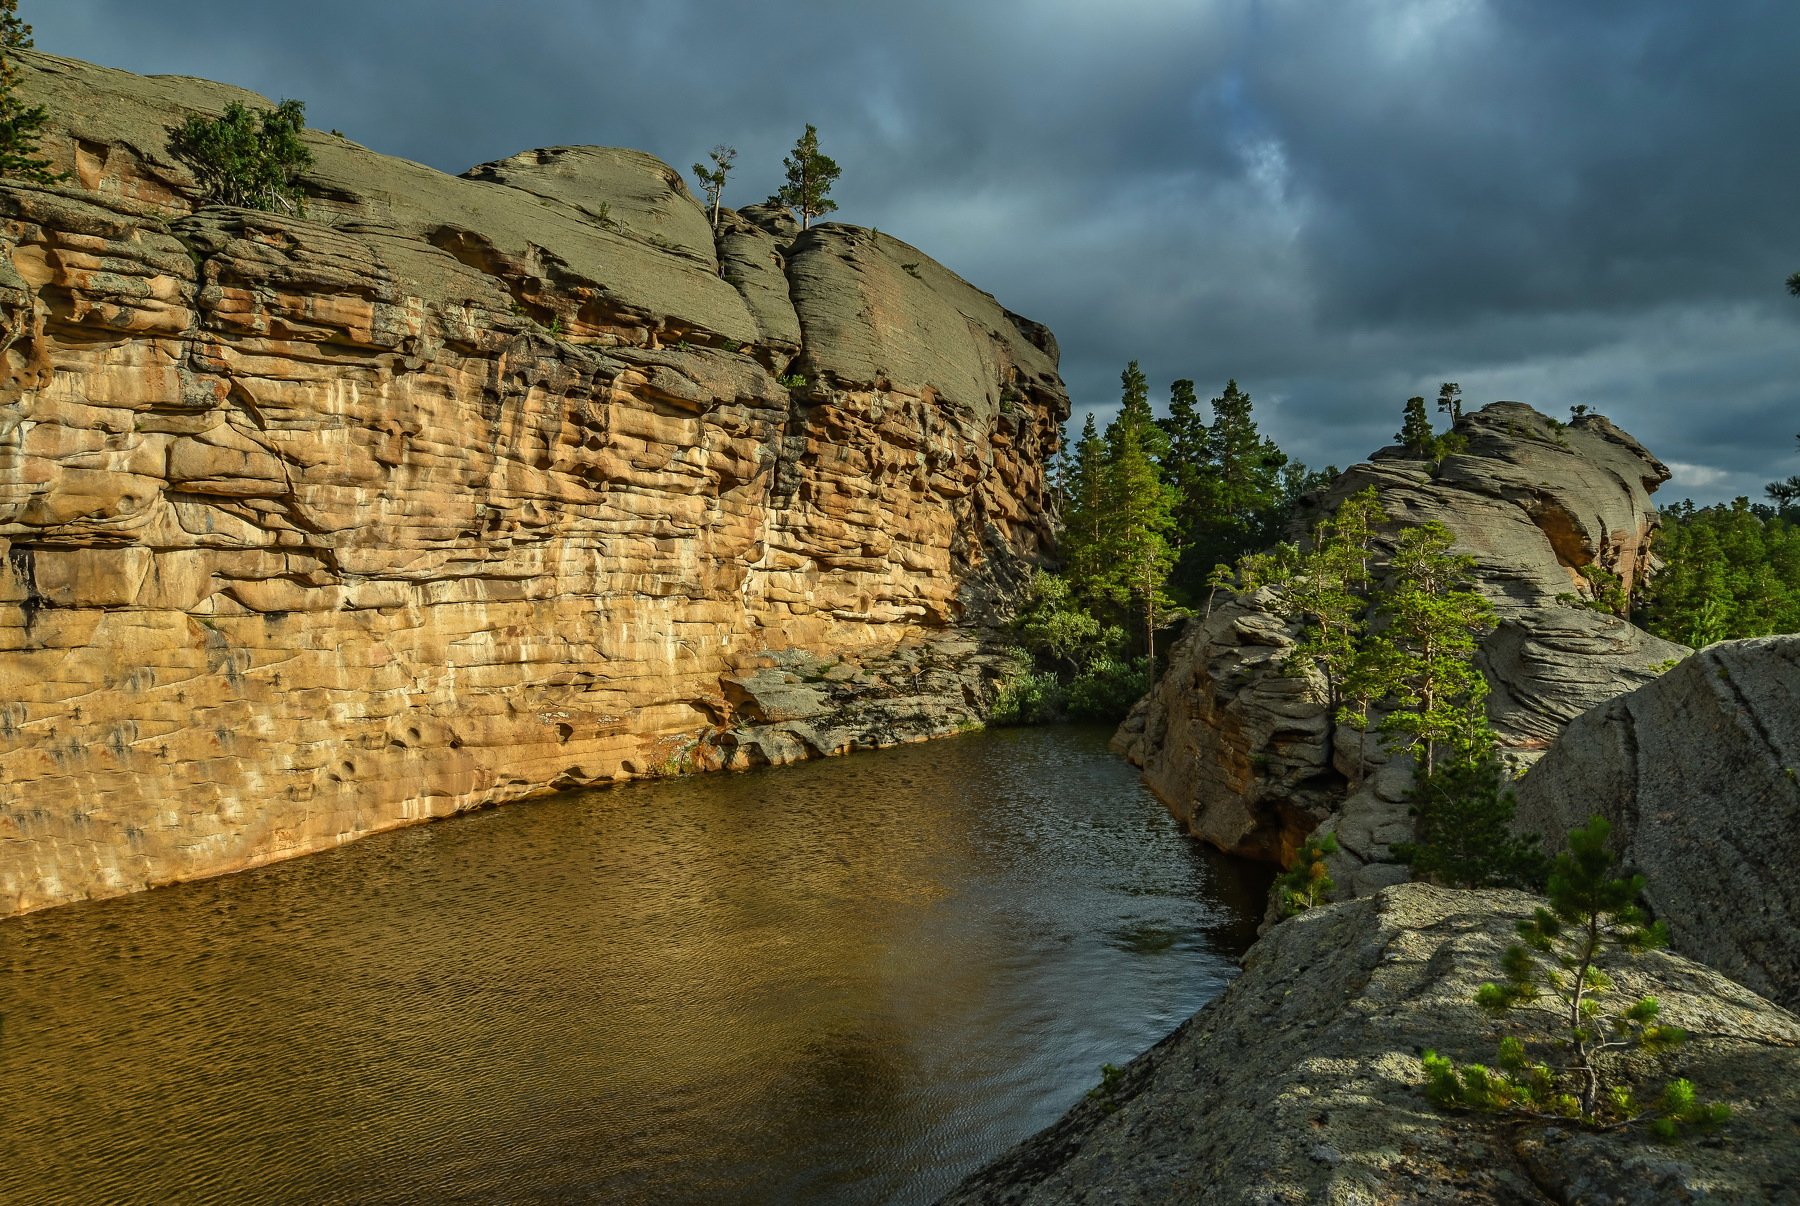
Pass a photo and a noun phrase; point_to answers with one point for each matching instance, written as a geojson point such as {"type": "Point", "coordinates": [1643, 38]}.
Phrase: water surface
{"type": "Point", "coordinates": [850, 981]}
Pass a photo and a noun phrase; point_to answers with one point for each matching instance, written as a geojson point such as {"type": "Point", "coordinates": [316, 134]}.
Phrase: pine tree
{"type": "Point", "coordinates": [712, 179]}
{"type": "Point", "coordinates": [1450, 401]}
{"type": "Point", "coordinates": [1463, 816]}
{"type": "Point", "coordinates": [1135, 554]}
{"type": "Point", "coordinates": [246, 158]}
{"type": "Point", "coordinates": [810, 176]}
{"type": "Point", "coordinates": [1593, 914]}
{"type": "Point", "coordinates": [1415, 434]}
{"type": "Point", "coordinates": [21, 125]}
{"type": "Point", "coordinates": [1433, 616]}
{"type": "Point", "coordinates": [1238, 502]}
{"type": "Point", "coordinates": [1084, 515]}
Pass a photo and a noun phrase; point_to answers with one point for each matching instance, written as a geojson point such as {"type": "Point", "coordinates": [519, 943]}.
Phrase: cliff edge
{"type": "Point", "coordinates": [459, 490]}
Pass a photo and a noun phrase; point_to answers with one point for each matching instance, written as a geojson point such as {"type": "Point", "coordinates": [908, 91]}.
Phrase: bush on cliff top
{"type": "Point", "coordinates": [245, 158]}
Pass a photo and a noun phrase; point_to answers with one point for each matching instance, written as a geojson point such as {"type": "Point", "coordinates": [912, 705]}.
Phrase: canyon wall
{"type": "Point", "coordinates": [459, 490]}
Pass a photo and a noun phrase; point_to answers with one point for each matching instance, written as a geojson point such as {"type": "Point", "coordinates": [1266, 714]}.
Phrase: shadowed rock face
{"type": "Point", "coordinates": [1303, 1084]}
{"type": "Point", "coordinates": [1697, 772]}
{"type": "Point", "coordinates": [460, 490]}
{"type": "Point", "coordinates": [1244, 753]}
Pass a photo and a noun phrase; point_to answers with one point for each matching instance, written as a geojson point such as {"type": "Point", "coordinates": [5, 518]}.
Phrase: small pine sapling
{"type": "Point", "coordinates": [1557, 970]}
{"type": "Point", "coordinates": [1307, 882]}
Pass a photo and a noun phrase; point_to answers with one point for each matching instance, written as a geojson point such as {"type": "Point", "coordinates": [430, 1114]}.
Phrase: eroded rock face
{"type": "Point", "coordinates": [1302, 1083]}
{"type": "Point", "coordinates": [1697, 772]}
{"type": "Point", "coordinates": [1244, 752]}
{"type": "Point", "coordinates": [460, 490]}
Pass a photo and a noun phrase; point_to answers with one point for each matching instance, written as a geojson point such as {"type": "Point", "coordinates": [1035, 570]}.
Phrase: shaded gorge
{"type": "Point", "coordinates": [853, 980]}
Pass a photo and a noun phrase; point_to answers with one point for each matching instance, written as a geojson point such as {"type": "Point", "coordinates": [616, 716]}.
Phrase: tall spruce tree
{"type": "Point", "coordinates": [1239, 503]}
{"type": "Point", "coordinates": [1084, 516]}
{"type": "Point", "coordinates": [21, 125]}
{"type": "Point", "coordinates": [810, 176]}
{"type": "Point", "coordinates": [1135, 550]}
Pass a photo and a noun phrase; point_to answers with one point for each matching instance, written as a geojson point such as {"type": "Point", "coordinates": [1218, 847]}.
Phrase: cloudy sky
{"type": "Point", "coordinates": [1338, 202]}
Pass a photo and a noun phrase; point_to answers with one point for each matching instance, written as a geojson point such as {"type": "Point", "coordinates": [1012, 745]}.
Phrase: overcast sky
{"type": "Point", "coordinates": [1338, 202]}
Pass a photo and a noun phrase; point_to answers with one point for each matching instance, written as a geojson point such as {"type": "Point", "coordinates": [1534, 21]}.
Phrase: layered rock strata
{"type": "Point", "coordinates": [458, 490]}
{"type": "Point", "coordinates": [1243, 750]}
{"type": "Point", "coordinates": [1303, 1083]}
{"type": "Point", "coordinates": [1699, 774]}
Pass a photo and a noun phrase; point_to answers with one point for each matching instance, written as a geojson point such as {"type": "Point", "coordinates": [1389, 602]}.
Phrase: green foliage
{"type": "Point", "coordinates": [1729, 572]}
{"type": "Point", "coordinates": [810, 176]}
{"type": "Point", "coordinates": [1107, 687]}
{"type": "Point", "coordinates": [1793, 284]}
{"type": "Point", "coordinates": [1559, 969]}
{"type": "Point", "coordinates": [1449, 401]}
{"type": "Point", "coordinates": [1606, 592]}
{"type": "Point", "coordinates": [1426, 658]}
{"type": "Point", "coordinates": [1025, 695]}
{"type": "Point", "coordinates": [1054, 628]}
{"type": "Point", "coordinates": [1307, 881]}
{"type": "Point", "coordinates": [245, 158]}
{"type": "Point", "coordinates": [21, 125]}
{"type": "Point", "coordinates": [1415, 434]}
{"type": "Point", "coordinates": [792, 381]}
{"type": "Point", "coordinates": [1463, 823]}
{"type": "Point", "coordinates": [712, 179]}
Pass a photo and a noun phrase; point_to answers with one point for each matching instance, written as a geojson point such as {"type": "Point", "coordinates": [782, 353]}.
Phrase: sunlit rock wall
{"type": "Point", "coordinates": [461, 490]}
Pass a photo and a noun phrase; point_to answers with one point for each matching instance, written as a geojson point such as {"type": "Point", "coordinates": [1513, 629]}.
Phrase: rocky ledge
{"type": "Point", "coordinates": [1302, 1083]}
{"type": "Point", "coordinates": [1245, 753]}
{"type": "Point", "coordinates": [459, 490]}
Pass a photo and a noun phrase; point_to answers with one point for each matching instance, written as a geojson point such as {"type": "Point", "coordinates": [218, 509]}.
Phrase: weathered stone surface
{"type": "Point", "coordinates": [1243, 751]}
{"type": "Point", "coordinates": [461, 490]}
{"type": "Point", "coordinates": [1697, 774]}
{"type": "Point", "coordinates": [1302, 1083]}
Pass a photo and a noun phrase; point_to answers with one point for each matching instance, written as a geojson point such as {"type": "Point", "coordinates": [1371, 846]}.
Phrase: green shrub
{"type": "Point", "coordinates": [1027, 696]}
{"type": "Point", "coordinates": [248, 159]}
{"type": "Point", "coordinates": [1464, 826]}
{"type": "Point", "coordinates": [21, 125]}
{"type": "Point", "coordinates": [1558, 969]}
{"type": "Point", "coordinates": [1307, 882]}
{"type": "Point", "coordinates": [1107, 687]}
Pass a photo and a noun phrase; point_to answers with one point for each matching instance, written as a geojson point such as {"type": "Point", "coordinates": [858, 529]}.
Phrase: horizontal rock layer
{"type": "Point", "coordinates": [461, 490]}
{"type": "Point", "coordinates": [1303, 1083]}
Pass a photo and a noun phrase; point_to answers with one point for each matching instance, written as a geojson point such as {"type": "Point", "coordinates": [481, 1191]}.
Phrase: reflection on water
{"type": "Point", "coordinates": [854, 980]}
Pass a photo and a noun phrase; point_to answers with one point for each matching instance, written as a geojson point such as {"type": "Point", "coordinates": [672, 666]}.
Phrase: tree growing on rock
{"type": "Point", "coordinates": [247, 158]}
{"type": "Point", "coordinates": [21, 125]}
{"type": "Point", "coordinates": [1415, 434]}
{"type": "Point", "coordinates": [810, 175]}
{"type": "Point", "coordinates": [712, 179]}
{"type": "Point", "coordinates": [1558, 970]}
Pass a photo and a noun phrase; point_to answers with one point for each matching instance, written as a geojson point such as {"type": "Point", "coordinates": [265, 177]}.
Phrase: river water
{"type": "Point", "coordinates": [850, 981]}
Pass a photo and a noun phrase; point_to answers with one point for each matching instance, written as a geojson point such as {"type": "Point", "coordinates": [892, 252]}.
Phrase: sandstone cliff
{"type": "Point", "coordinates": [1697, 773]}
{"type": "Point", "coordinates": [464, 489]}
{"type": "Point", "coordinates": [1302, 1083]}
{"type": "Point", "coordinates": [1245, 753]}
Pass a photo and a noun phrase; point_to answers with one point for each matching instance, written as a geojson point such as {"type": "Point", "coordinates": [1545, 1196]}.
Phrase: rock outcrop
{"type": "Point", "coordinates": [1244, 752]}
{"type": "Point", "coordinates": [458, 490]}
{"type": "Point", "coordinates": [1697, 772]}
{"type": "Point", "coordinates": [1302, 1083]}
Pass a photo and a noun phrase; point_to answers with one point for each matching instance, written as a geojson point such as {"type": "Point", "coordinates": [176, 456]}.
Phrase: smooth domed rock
{"type": "Point", "coordinates": [1699, 775]}
{"type": "Point", "coordinates": [1302, 1083]}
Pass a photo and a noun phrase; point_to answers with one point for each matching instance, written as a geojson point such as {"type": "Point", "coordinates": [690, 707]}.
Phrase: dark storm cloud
{"type": "Point", "coordinates": [1339, 204]}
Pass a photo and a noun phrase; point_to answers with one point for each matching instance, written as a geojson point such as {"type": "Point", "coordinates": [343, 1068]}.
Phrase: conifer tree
{"type": "Point", "coordinates": [248, 158]}
{"type": "Point", "coordinates": [1559, 968]}
{"type": "Point", "coordinates": [1463, 815]}
{"type": "Point", "coordinates": [21, 125]}
{"type": "Point", "coordinates": [810, 176]}
{"type": "Point", "coordinates": [1135, 552]}
{"type": "Point", "coordinates": [1084, 515]}
{"type": "Point", "coordinates": [1433, 616]}
{"type": "Point", "coordinates": [1450, 401]}
{"type": "Point", "coordinates": [1415, 434]}
{"type": "Point", "coordinates": [712, 179]}
{"type": "Point", "coordinates": [1238, 503]}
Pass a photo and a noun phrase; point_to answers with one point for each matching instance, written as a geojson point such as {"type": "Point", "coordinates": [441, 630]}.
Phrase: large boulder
{"type": "Point", "coordinates": [1697, 772]}
{"type": "Point", "coordinates": [1303, 1084]}
{"type": "Point", "coordinates": [1240, 746]}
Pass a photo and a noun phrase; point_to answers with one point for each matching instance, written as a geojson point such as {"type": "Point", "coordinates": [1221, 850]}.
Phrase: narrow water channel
{"type": "Point", "coordinates": [850, 981]}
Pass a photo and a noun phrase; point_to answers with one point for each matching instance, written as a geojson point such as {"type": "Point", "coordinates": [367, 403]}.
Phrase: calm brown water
{"type": "Point", "coordinates": [850, 981]}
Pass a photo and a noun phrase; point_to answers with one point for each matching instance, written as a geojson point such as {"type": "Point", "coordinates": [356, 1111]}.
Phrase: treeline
{"type": "Point", "coordinates": [1729, 571]}
{"type": "Point", "coordinates": [1149, 508]}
